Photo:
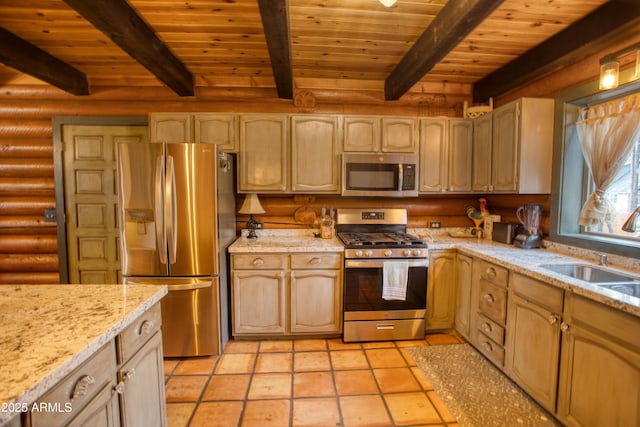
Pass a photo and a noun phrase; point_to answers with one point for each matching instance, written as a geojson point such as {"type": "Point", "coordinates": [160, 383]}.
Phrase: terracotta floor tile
{"type": "Point", "coordinates": [424, 382]}
{"type": "Point", "coordinates": [394, 380]}
{"type": "Point", "coordinates": [216, 414]}
{"type": "Point", "coordinates": [309, 345]}
{"type": "Point", "coordinates": [274, 362]}
{"type": "Point", "coordinates": [270, 386]}
{"type": "Point", "coordinates": [266, 413]}
{"type": "Point", "coordinates": [313, 384]}
{"type": "Point", "coordinates": [185, 388]}
{"type": "Point", "coordinates": [349, 359]}
{"type": "Point", "coordinates": [363, 411]}
{"type": "Point", "coordinates": [276, 346]}
{"type": "Point", "coordinates": [411, 343]}
{"type": "Point", "coordinates": [227, 387]}
{"type": "Point", "coordinates": [411, 408]}
{"type": "Point", "coordinates": [441, 407]}
{"type": "Point", "coordinates": [378, 344]}
{"type": "Point", "coordinates": [194, 366]}
{"type": "Point", "coordinates": [407, 357]}
{"type": "Point", "coordinates": [318, 412]}
{"type": "Point", "coordinates": [235, 364]}
{"type": "Point", "coordinates": [311, 361]}
{"type": "Point", "coordinates": [355, 382]}
{"type": "Point", "coordinates": [440, 339]}
{"type": "Point", "coordinates": [234, 346]}
{"type": "Point", "coordinates": [169, 365]}
{"type": "Point", "coordinates": [385, 358]}
{"type": "Point", "coordinates": [338, 344]}
{"type": "Point", "coordinates": [178, 414]}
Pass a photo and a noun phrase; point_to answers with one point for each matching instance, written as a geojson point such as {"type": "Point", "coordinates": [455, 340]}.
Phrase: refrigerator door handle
{"type": "Point", "coordinates": [161, 243]}
{"type": "Point", "coordinates": [178, 286]}
{"type": "Point", "coordinates": [170, 200]}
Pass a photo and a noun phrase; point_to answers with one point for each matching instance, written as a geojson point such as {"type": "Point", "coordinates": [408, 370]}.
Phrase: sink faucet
{"type": "Point", "coordinates": [603, 258]}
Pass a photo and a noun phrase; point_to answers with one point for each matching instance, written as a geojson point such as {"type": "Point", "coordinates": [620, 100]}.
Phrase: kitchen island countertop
{"type": "Point", "coordinates": [46, 331]}
{"type": "Point", "coordinates": [286, 241]}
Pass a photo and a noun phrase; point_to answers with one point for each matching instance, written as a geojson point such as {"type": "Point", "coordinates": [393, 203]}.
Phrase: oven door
{"type": "Point", "coordinates": [363, 287]}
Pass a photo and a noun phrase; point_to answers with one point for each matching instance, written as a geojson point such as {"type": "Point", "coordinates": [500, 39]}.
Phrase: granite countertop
{"type": "Point", "coordinates": [46, 331]}
{"type": "Point", "coordinates": [286, 241]}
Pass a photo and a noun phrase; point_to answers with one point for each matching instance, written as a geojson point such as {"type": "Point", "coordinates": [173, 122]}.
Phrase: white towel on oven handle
{"type": "Point", "coordinates": [394, 280]}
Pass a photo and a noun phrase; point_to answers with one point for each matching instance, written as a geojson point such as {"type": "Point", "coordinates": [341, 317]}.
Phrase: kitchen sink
{"type": "Point", "coordinates": [632, 288]}
{"type": "Point", "coordinates": [591, 273]}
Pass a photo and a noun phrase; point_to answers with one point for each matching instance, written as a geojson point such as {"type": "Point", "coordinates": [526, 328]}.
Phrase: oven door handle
{"type": "Point", "coordinates": [380, 264]}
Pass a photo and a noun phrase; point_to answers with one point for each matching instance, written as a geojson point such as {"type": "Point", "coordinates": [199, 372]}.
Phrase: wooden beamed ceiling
{"type": "Point", "coordinates": [494, 45]}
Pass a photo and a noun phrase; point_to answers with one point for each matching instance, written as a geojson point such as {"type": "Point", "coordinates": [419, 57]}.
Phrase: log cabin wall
{"type": "Point", "coordinates": [28, 244]}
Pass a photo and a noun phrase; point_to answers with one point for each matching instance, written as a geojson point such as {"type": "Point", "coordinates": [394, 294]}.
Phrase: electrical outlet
{"type": "Point", "coordinates": [434, 224]}
{"type": "Point", "coordinates": [50, 215]}
{"type": "Point", "coordinates": [259, 225]}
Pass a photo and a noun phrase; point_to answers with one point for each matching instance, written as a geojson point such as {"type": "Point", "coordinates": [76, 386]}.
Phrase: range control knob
{"type": "Point", "coordinates": [387, 252]}
{"type": "Point", "coordinates": [368, 253]}
{"type": "Point", "coordinates": [406, 252]}
{"type": "Point", "coordinates": [358, 253]}
{"type": "Point", "coordinates": [417, 252]}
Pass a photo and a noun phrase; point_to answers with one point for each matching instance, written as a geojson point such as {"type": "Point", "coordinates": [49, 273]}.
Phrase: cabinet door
{"type": "Point", "coordinates": [533, 349]}
{"type": "Point", "coordinates": [463, 281]}
{"type": "Point", "coordinates": [505, 147]}
{"type": "Point", "coordinates": [399, 135]}
{"type": "Point", "coordinates": [259, 302]}
{"type": "Point", "coordinates": [481, 167]}
{"type": "Point", "coordinates": [220, 129]}
{"type": "Point", "coordinates": [361, 133]}
{"type": "Point", "coordinates": [170, 127]}
{"type": "Point", "coordinates": [460, 152]}
{"type": "Point", "coordinates": [316, 301]}
{"type": "Point", "coordinates": [102, 411]}
{"type": "Point", "coordinates": [441, 290]}
{"type": "Point", "coordinates": [433, 155]}
{"type": "Point", "coordinates": [315, 154]}
{"type": "Point", "coordinates": [143, 399]}
{"type": "Point", "coordinates": [263, 161]}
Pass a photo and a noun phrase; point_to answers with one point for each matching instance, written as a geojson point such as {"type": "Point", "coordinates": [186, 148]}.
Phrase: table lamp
{"type": "Point", "coordinates": [251, 206]}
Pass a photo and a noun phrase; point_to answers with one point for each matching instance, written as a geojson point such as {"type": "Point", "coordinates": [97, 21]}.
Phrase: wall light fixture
{"type": "Point", "coordinates": [388, 3]}
{"type": "Point", "coordinates": [610, 67]}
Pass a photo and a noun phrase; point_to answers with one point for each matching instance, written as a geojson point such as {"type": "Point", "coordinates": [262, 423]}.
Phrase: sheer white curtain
{"type": "Point", "coordinates": [607, 132]}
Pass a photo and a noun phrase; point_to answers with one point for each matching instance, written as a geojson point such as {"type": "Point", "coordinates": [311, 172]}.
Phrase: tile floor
{"type": "Point", "coordinates": [310, 382]}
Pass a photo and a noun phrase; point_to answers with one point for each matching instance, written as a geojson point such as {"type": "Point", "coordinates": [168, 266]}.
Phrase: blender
{"type": "Point", "coordinates": [531, 236]}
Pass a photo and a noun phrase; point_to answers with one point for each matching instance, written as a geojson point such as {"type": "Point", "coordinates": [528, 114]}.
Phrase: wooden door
{"type": "Point", "coordinates": [460, 152]}
{"type": "Point", "coordinates": [433, 155]}
{"type": "Point", "coordinates": [259, 302]}
{"type": "Point", "coordinates": [441, 290]}
{"type": "Point", "coordinates": [170, 127]}
{"type": "Point", "coordinates": [505, 135]}
{"type": "Point", "coordinates": [399, 135]}
{"type": "Point", "coordinates": [481, 169]}
{"type": "Point", "coordinates": [91, 199]}
{"type": "Point", "coordinates": [463, 282]}
{"type": "Point", "coordinates": [361, 133]}
{"type": "Point", "coordinates": [316, 301]}
{"type": "Point", "coordinates": [216, 128]}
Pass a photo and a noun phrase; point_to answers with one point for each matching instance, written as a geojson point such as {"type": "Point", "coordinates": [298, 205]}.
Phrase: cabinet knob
{"type": "Point", "coordinates": [564, 327]}
{"type": "Point", "coordinates": [130, 374]}
{"type": "Point", "coordinates": [489, 298]}
{"type": "Point", "coordinates": [146, 327]}
{"type": "Point", "coordinates": [258, 261]}
{"type": "Point", "coordinates": [119, 388]}
{"type": "Point", "coordinates": [82, 385]}
{"type": "Point", "coordinates": [314, 260]}
{"type": "Point", "coordinates": [487, 346]}
{"type": "Point", "coordinates": [487, 327]}
{"type": "Point", "coordinates": [491, 272]}
{"type": "Point", "coordinates": [553, 318]}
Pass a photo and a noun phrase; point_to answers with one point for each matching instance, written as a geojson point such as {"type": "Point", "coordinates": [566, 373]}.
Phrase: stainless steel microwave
{"type": "Point", "coordinates": [386, 175]}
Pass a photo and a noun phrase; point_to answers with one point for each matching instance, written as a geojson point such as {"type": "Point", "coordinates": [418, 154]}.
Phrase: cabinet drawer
{"type": "Point", "coordinates": [315, 260]}
{"type": "Point", "coordinates": [493, 301]}
{"type": "Point", "coordinates": [138, 333]}
{"type": "Point", "coordinates": [77, 389]}
{"type": "Point", "coordinates": [494, 274]}
{"type": "Point", "coordinates": [490, 349]}
{"type": "Point", "coordinates": [491, 329]}
{"type": "Point", "coordinates": [537, 291]}
{"type": "Point", "coordinates": [259, 261]}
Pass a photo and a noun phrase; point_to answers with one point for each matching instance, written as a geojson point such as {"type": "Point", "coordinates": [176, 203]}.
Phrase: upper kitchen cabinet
{"type": "Point", "coordinates": [522, 146]}
{"type": "Point", "coordinates": [375, 135]}
{"type": "Point", "coordinates": [361, 133]}
{"type": "Point", "coordinates": [445, 155]}
{"type": "Point", "coordinates": [263, 157]}
{"type": "Point", "coordinates": [481, 158]}
{"type": "Point", "coordinates": [315, 154]}
{"type": "Point", "coordinates": [170, 127]}
{"type": "Point", "coordinates": [220, 129]}
{"type": "Point", "coordinates": [399, 135]}
{"type": "Point", "coordinates": [206, 128]}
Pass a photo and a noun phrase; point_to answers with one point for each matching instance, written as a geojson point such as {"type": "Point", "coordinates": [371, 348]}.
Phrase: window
{"type": "Point", "coordinates": [624, 193]}
{"type": "Point", "coordinates": [571, 180]}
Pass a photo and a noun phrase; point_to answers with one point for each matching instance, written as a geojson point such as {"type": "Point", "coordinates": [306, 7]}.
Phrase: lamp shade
{"type": "Point", "coordinates": [388, 3]}
{"type": "Point", "coordinates": [609, 75]}
{"type": "Point", "coordinates": [251, 205]}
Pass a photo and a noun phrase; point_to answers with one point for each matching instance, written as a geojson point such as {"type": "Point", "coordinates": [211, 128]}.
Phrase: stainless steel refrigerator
{"type": "Point", "coordinates": [176, 216]}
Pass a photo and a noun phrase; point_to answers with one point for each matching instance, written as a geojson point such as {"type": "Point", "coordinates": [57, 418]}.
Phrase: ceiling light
{"type": "Point", "coordinates": [610, 67]}
{"type": "Point", "coordinates": [388, 3]}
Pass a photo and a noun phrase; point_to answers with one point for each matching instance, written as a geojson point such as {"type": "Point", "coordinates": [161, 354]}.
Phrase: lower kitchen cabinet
{"type": "Point", "coordinates": [600, 365]}
{"type": "Point", "coordinates": [463, 305]}
{"type": "Point", "coordinates": [533, 337]}
{"type": "Point", "coordinates": [280, 294]}
{"type": "Point", "coordinates": [441, 290]}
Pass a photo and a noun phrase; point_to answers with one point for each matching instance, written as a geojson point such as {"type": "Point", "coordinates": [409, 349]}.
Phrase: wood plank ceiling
{"type": "Point", "coordinates": [361, 45]}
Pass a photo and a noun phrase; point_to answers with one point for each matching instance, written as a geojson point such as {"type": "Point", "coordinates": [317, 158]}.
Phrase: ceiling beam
{"type": "Point", "coordinates": [575, 42]}
{"type": "Point", "coordinates": [23, 56]}
{"type": "Point", "coordinates": [118, 21]}
{"type": "Point", "coordinates": [276, 30]}
{"type": "Point", "coordinates": [454, 22]}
